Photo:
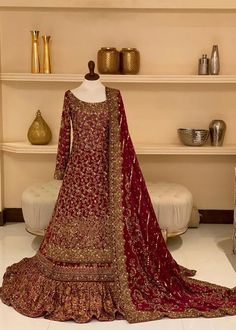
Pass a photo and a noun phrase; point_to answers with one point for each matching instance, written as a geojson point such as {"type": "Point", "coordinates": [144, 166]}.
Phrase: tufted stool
{"type": "Point", "coordinates": [173, 205]}
{"type": "Point", "coordinates": [38, 202]}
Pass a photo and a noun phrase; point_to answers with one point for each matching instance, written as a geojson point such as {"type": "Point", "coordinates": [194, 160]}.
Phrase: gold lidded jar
{"type": "Point", "coordinates": [39, 131]}
{"type": "Point", "coordinates": [108, 60]}
{"type": "Point", "coordinates": [130, 61]}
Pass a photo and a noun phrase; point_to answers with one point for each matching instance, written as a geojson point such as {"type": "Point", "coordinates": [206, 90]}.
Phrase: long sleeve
{"type": "Point", "coordinates": [63, 151]}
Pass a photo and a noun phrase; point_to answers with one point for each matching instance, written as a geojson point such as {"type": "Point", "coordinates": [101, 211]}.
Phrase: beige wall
{"type": "Point", "coordinates": [169, 43]}
{"type": "Point", "coordinates": [1, 138]}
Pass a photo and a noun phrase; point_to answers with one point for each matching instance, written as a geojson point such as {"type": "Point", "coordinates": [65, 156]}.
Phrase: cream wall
{"type": "Point", "coordinates": [170, 42]}
{"type": "Point", "coordinates": [1, 138]}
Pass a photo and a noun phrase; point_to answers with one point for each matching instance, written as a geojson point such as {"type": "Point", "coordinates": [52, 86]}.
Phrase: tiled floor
{"type": "Point", "coordinates": [207, 249]}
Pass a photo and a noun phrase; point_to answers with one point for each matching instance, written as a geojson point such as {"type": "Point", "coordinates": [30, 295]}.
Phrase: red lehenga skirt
{"type": "Point", "coordinates": [103, 254]}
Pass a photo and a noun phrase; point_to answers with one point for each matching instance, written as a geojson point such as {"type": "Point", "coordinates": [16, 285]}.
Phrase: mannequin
{"type": "Point", "coordinates": [91, 89]}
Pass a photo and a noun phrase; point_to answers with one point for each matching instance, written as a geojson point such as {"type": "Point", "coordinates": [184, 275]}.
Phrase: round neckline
{"type": "Point", "coordinates": [93, 103]}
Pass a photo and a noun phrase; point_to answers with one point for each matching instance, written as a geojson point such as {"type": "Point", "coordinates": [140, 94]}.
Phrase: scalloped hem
{"type": "Point", "coordinates": [33, 294]}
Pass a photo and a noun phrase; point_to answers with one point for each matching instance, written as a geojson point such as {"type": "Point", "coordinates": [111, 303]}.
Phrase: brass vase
{"type": "Point", "coordinates": [35, 62]}
{"type": "Point", "coordinates": [46, 55]}
{"type": "Point", "coordinates": [130, 61]}
{"type": "Point", "coordinates": [108, 60]}
{"type": "Point", "coordinates": [39, 131]}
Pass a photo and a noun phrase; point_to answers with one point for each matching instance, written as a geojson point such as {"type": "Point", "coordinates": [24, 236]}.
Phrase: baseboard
{"type": "Point", "coordinates": [206, 216]}
{"type": "Point", "coordinates": [12, 215]}
{"type": "Point", "coordinates": [216, 216]}
{"type": "Point", "coordinates": [1, 219]}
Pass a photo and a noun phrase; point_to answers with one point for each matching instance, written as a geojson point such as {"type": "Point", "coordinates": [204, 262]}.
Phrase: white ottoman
{"type": "Point", "coordinates": [173, 204]}
{"type": "Point", "coordinates": [38, 203]}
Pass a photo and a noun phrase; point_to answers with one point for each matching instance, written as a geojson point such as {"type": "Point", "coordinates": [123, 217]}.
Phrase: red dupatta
{"type": "Point", "coordinates": [150, 284]}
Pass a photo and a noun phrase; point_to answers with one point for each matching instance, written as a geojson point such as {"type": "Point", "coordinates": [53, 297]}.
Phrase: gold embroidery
{"type": "Point", "coordinates": [80, 272]}
{"type": "Point", "coordinates": [78, 255]}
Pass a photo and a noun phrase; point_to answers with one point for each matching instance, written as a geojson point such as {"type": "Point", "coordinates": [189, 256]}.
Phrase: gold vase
{"type": "Point", "coordinates": [46, 55]}
{"type": "Point", "coordinates": [108, 60]}
{"type": "Point", "coordinates": [35, 62]}
{"type": "Point", "coordinates": [130, 61]}
{"type": "Point", "coordinates": [39, 131]}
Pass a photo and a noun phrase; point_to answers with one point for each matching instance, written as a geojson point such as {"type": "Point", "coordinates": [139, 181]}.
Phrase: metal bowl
{"type": "Point", "coordinates": [192, 136]}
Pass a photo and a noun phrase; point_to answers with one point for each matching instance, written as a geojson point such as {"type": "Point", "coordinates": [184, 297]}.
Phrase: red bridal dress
{"type": "Point", "coordinates": [103, 255]}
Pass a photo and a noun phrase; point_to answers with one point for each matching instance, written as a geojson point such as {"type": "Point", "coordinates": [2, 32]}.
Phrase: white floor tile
{"type": "Point", "coordinates": [224, 323]}
{"type": "Point", "coordinates": [205, 249]}
{"type": "Point", "coordinates": [11, 320]}
{"type": "Point", "coordinates": [16, 242]}
{"type": "Point", "coordinates": [163, 324]}
{"type": "Point", "coordinates": [197, 324]}
{"type": "Point", "coordinates": [218, 323]}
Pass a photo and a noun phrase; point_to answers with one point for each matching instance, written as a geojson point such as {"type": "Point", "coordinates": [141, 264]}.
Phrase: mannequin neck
{"type": "Point", "coordinates": [90, 91]}
{"type": "Point", "coordinates": [91, 84]}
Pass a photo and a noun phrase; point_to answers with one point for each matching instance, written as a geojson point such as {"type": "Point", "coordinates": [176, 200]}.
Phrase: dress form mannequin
{"type": "Point", "coordinates": [91, 89]}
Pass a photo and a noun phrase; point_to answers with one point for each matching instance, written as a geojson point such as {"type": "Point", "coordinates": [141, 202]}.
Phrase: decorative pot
{"type": "Point", "coordinates": [217, 129]}
{"type": "Point", "coordinates": [130, 61]}
{"type": "Point", "coordinates": [108, 60]}
{"type": "Point", "coordinates": [39, 131]}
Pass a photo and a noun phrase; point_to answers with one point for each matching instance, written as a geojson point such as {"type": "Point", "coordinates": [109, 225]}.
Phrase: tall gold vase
{"type": "Point", "coordinates": [35, 62]}
{"type": "Point", "coordinates": [46, 55]}
{"type": "Point", "coordinates": [39, 131]}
